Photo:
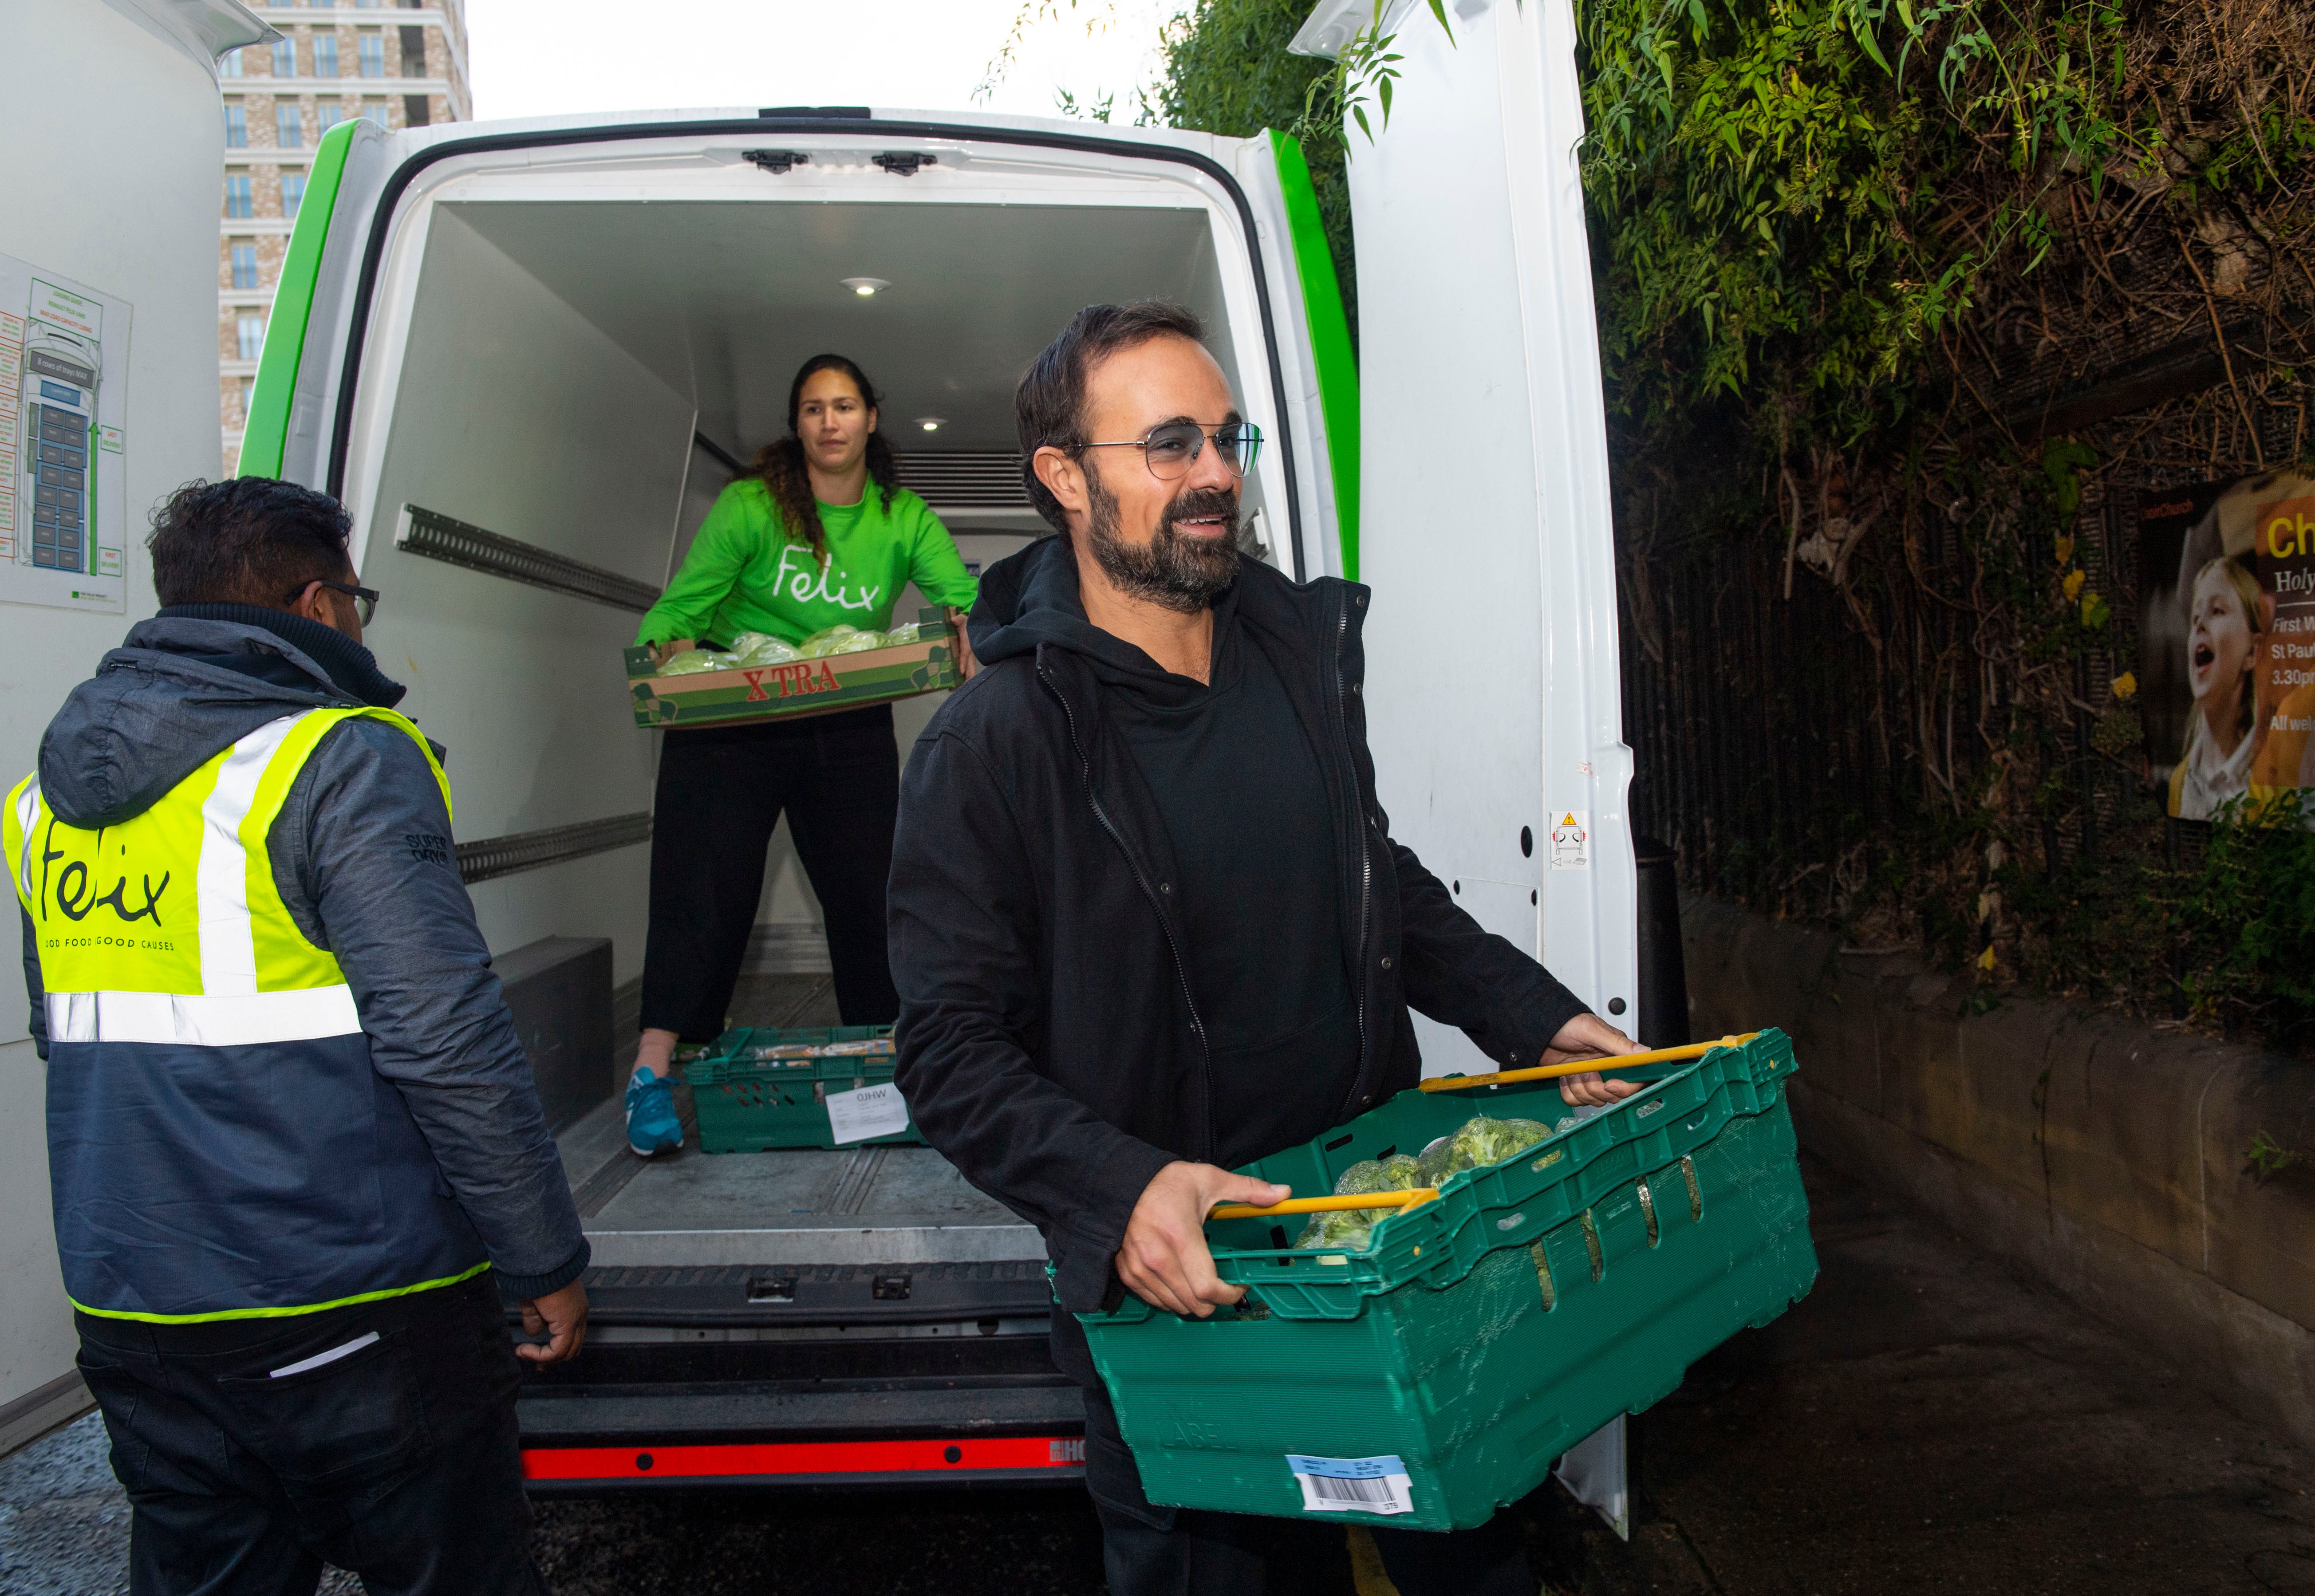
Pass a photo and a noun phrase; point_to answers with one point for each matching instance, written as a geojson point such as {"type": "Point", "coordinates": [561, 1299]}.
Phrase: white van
{"type": "Point", "coordinates": [527, 355]}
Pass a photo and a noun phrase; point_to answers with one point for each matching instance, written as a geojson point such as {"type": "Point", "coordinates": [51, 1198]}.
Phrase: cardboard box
{"type": "Point", "coordinates": [796, 690]}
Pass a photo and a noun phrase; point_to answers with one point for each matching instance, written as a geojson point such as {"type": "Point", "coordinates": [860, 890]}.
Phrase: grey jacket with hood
{"type": "Point", "coordinates": [362, 857]}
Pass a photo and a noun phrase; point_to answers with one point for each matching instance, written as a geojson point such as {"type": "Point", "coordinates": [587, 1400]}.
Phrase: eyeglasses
{"type": "Point", "coordinates": [1172, 449]}
{"type": "Point", "coordinates": [365, 598]}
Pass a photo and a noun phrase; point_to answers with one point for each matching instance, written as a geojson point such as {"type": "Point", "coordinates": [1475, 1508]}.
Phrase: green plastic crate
{"type": "Point", "coordinates": [751, 1100]}
{"type": "Point", "coordinates": [1479, 1335]}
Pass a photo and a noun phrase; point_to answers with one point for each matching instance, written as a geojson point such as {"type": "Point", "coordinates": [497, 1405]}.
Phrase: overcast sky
{"type": "Point", "coordinates": [547, 58]}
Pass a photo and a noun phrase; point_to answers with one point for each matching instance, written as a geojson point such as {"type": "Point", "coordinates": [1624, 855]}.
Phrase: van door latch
{"type": "Point", "coordinates": [890, 1287]}
{"type": "Point", "coordinates": [900, 163]}
{"type": "Point", "coordinates": [775, 162]}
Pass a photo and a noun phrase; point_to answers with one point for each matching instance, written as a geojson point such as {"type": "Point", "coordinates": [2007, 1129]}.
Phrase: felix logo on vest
{"type": "Point", "coordinates": [74, 892]}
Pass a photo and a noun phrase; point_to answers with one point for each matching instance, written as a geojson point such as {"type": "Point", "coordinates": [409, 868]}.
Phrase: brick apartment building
{"type": "Point", "coordinates": [402, 63]}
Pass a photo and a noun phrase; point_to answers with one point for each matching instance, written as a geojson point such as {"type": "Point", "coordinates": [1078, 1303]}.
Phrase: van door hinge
{"type": "Point", "coordinates": [776, 162]}
{"type": "Point", "coordinates": [903, 163]}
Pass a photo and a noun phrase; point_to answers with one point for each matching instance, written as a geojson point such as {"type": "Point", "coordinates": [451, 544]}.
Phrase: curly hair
{"type": "Point", "coordinates": [247, 540]}
{"type": "Point", "coordinates": [781, 461]}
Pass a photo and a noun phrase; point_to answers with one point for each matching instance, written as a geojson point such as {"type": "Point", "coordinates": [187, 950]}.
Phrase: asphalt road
{"type": "Point", "coordinates": [1925, 1423]}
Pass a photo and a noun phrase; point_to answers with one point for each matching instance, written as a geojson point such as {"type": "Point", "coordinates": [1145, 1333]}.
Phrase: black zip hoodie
{"type": "Point", "coordinates": [1049, 1043]}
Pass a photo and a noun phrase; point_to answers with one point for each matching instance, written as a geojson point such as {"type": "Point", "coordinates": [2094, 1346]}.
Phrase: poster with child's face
{"type": "Point", "coordinates": [2227, 640]}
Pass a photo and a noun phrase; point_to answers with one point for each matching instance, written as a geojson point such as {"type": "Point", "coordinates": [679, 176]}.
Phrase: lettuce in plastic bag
{"type": "Point", "coordinates": [692, 661]}
{"type": "Point", "coordinates": [761, 648]}
{"type": "Point", "coordinates": [839, 639]}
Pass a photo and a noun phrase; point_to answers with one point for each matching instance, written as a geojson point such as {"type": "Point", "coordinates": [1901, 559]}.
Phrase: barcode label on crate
{"type": "Point", "coordinates": [865, 1111]}
{"type": "Point", "coordinates": [1353, 1485]}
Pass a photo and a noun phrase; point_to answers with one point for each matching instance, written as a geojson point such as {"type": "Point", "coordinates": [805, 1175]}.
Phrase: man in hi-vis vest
{"type": "Point", "coordinates": [294, 1148]}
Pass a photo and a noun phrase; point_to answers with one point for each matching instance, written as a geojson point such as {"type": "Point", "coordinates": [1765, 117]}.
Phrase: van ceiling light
{"type": "Point", "coordinates": [932, 423]}
{"type": "Point", "coordinates": [865, 286]}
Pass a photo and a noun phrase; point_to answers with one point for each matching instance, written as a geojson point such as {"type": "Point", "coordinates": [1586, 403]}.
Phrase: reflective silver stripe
{"type": "Point", "coordinates": [228, 943]}
{"type": "Point", "coordinates": [27, 813]}
{"type": "Point", "coordinates": [319, 1359]}
{"type": "Point", "coordinates": [198, 1020]}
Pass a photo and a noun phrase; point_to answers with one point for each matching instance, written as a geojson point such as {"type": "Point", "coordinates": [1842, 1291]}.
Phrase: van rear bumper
{"type": "Point", "coordinates": [1008, 1430]}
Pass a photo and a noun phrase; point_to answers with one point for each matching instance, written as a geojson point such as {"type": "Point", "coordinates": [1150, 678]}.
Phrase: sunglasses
{"type": "Point", "coordinates": [1172, 449]}
{"type": "Point", "coordinates": [365, 598]}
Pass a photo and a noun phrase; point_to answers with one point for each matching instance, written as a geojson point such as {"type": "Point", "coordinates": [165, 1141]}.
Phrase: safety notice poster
{"type": "Point", "coordinates": [64, 364]}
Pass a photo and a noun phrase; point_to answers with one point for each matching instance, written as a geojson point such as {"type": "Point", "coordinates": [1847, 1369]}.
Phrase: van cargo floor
{"type": "Point", "coordinates": [858, 1205]}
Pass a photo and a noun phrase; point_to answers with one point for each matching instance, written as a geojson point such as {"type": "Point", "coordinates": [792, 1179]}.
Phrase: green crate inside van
{"type": "Point", "coordinates": [758, 1089]}
{"type": "Point", "coordinates": [1435, 1375]}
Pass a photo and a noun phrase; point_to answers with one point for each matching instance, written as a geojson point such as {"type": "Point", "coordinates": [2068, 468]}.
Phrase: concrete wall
{"type": "Point", "coordinates": [2103, 1155]}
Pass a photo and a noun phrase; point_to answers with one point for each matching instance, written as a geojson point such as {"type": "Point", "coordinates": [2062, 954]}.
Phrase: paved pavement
{"type": "Point", "coordinates": [1925, 1423]}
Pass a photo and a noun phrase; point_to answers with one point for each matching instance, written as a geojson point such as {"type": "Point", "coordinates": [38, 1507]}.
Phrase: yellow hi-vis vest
{"type": "Point", "coordinates": [220, 1145]}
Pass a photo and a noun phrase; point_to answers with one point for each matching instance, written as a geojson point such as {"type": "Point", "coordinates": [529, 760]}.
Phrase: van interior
{"type": "Point", "coordinates": [580, 375]}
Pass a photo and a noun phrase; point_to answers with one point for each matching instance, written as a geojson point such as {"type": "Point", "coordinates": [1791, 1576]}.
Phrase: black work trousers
{"type": "Point", "coordinates": [378, 1437]}
{"type": "Point", "coordinates": [720, 792]}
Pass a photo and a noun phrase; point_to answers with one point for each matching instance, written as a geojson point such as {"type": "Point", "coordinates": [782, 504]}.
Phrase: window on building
{"type": "Point", "coordinates": [371, 48]}
{"type": "Point", "coordinates": [375, 110]}
{"type": "Point", "coordinates": [243, 390]}
{"type": "Point", "coordinates": [236, 125]}
{"type": "Point", "coordinates": [239, 201]}
{"type": "Point", "coordinates": [367, 4]}
{"type": "Point", "coordinates": [249, 336]}
{"type": "Point", "coordinates": [289, 126]}
{"type": "Point", "coordinates": [245, 265]}
{"type": "Point", "coordinates": [413, 52]}
{"type": "Point", "coordinates": [285, 57]}
{"type": "Point", "coordinates": [293, 193]}
{"type": "Point", "coordinates": [328, 115]}
{"type": "Point", "coordinates": [229, 64]}
{"type": "Point", "coordinates": [416, 111]}
{"type": "Point", "coordinates": [326, 55]}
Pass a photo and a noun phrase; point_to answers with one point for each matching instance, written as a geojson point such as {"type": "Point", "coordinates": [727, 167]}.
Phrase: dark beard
{"type": "Point", "coordinates": [1180, 573]}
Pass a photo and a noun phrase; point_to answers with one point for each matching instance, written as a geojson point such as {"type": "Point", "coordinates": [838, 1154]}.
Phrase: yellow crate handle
{"type": "Point", "coordinates": [1311, 1205]}
{"type": "Point", "coordinates": [1503, 1077]}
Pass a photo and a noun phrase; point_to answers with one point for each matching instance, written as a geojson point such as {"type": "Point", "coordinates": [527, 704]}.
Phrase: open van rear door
{"type": "Point", "coordinates": [1493, 701]}
{"type": "Point", "coordinates": [1492, 692]}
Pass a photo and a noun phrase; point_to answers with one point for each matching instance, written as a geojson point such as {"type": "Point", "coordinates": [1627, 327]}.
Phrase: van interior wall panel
{"type": "Point", "coordinates": [515, 413]}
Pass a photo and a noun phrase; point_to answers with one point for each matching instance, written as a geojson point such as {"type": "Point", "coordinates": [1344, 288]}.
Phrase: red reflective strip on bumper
{"type": "Point", "coordinates": [803, 1457]}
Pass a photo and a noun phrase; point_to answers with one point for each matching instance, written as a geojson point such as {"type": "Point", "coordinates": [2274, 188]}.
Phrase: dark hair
{"type": "Point", "coordinates": [781, 464]}
{"type": "Point", "coordinates": [249, 540]}
{"type": "Point", "coordinates": [1049, 407]}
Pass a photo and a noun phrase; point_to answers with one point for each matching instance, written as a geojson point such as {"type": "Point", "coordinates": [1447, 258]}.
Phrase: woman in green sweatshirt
{"type": "Point", "coordinates": [819, 534]}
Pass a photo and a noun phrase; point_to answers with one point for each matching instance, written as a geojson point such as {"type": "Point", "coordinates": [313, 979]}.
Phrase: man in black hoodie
{"type": "Point", "coordinates": [1147, 920]}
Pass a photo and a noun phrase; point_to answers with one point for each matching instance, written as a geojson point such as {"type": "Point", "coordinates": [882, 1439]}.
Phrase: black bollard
{"type": "Point", "coordinates": [1662, 1018]}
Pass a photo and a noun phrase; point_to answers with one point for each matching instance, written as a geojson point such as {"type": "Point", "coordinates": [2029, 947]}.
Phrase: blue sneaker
{"type": "Point", "coordinates": [652, 1125]}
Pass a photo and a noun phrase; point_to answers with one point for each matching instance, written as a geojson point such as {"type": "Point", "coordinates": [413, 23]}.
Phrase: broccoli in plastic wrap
{"type": "Point", "coordinates": [1347, 1230]}
{"type": "Point", "coordinates": [1477, 1143]}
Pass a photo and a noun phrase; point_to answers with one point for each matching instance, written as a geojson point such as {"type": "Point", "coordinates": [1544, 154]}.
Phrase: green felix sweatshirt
{"type": "Point", "coordinates": [744, 573]}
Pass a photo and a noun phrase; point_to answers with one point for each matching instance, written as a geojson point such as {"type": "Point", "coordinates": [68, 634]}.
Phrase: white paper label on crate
{"type": "Point", "coordinates": [1570, 840]}
{"type": "Point", "coordinates": [865, 1111]}
{"type": "Point", "coordinates": [1353, 1485]}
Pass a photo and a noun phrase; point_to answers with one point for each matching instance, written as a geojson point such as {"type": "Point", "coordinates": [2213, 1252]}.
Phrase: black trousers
{"type": "Point", "coordinates": [720, 792]}
{"type": "Point", "coordinates": [397, 1460]}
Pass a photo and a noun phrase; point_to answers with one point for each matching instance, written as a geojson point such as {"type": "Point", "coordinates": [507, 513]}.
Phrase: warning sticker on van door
{"type": "Point", "coordinates": [1570, 840]}
{"type": "Point", "coordinates": [1352, 1484]}
{"type": "Point", "coordinates": [867, 1111]}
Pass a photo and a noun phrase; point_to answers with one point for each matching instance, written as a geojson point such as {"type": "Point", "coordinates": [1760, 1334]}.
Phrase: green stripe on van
{"type": "Point", "coordinates": [266, 431]}
{"type": "Point", "coordinates": [1330, 340]}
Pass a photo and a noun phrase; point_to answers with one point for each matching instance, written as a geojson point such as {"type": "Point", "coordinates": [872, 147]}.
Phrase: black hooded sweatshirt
{"type": "Point", "coordinates": [1051, 1041]}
